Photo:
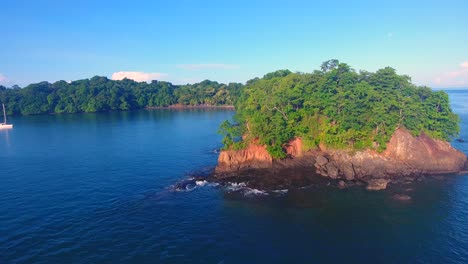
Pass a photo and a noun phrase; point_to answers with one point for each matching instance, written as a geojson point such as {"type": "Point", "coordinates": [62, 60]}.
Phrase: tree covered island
{"type": "Point", "coordinates": [370, 128]}
{"type": "Point", "coordinates": [337, 107]}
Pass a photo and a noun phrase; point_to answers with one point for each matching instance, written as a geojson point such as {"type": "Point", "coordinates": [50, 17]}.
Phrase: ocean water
{"type": "Point", "coordinates": [99, 188]}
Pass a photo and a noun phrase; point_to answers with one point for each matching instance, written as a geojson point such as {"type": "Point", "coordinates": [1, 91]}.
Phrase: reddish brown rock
{"type": "Point", "coordinates": [294, 148]}
{"type": "Point", "coordinates": [405, 155]}
{"type": "Point", "coordinates": [253, 157]}
{"type": "Point", "coordinates": [423, 153]}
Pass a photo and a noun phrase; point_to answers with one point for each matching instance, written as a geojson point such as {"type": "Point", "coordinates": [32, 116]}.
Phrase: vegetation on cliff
{"type": "Point", "coordinates": [336, 107]}
{"type": "Point", "coordinates": [101, 94]}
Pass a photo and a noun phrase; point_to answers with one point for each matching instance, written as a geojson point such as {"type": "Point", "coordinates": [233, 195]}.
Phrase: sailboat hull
{"type": "Point", "coordinates": [6, 126]}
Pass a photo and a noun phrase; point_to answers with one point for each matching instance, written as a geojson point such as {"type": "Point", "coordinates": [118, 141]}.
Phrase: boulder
{"type": "Point", "coordinates": [348, 170]}
{"type": "Point", "coordinates": [321, 161]}
{"type": "Point", "coordinates": [377, 184]}
{"type": "Point", "coordinates": [332, 170]}
{"type": "Point", "coordinates": [342, 185]}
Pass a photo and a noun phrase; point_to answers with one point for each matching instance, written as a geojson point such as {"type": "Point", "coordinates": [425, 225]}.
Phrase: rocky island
{"type": "Point", "coordinates": [338, 124]}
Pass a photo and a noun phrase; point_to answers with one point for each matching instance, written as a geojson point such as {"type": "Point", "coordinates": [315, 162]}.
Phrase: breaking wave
{"type": "Point", "coordinates": [191, 184]}
{"type": "Point", "coordinates": [242, 188]}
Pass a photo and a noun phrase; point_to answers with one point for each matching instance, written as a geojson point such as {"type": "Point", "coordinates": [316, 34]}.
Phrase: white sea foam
{"type": "Point", "coordinates": [242, 188]}
{"type": "Point", "coordinates": [253, 192]}
{"type": "Point", "coordinates": [201, 183]}
{"type": "Point", "coordinates": [234, 186]}
{"type": "Point", "coordinates": [281, 191]}
{"type": "Point", "coordinates": [206, 183]}
{"type": "Point", "coordinates": [191, 184]}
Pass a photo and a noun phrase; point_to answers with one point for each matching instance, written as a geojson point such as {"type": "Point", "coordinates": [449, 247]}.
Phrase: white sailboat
{"type": "Point", "coordinates": [4, 125]}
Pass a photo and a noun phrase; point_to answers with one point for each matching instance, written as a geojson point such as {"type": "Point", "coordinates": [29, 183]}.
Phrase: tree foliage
{"type": "Point", "coordinates": [101, 94]}
{"type": "Point", "coordinates": [338, 107]}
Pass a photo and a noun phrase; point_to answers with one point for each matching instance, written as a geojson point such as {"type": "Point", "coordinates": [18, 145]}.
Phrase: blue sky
{"type": "Point", "coordinates": [189, 41]}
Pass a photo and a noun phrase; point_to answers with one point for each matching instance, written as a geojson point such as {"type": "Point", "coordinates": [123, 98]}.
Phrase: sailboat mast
{"type": "Point", "coordinates": [4, 114]}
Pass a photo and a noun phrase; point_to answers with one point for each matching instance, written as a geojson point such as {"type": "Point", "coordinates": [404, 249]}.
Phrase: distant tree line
{"type": "Point", "coordinates": [102, 94]}
{"type": "Point", "coordinates": [337, 107]}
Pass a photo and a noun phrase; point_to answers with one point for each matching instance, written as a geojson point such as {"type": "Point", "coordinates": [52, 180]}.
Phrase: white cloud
{"type": "Point", "coordinates": [138, 76]}
{"type": "Point", "coordinates": [196, 67]}
{"type": "Point", "coordinates": [457, 78]}
{"type": "Point", "coordinates": [3, 78]}
{"type": "Point", "coordinates": [187, 80]}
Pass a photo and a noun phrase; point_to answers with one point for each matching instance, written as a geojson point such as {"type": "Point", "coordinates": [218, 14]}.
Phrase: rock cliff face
{"type": "Point", "coordinates": [256, 156]}
{"type": "Point", "coordinates": [424, 153]}
{"type": "Point", "coordinates": [405, 155]}
{"type": "Point", "coordinates": [253, 157]}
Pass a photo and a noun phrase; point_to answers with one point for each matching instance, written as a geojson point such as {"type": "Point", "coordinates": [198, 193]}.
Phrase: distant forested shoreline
{"type": "Point", "coordinates": [100, 94]}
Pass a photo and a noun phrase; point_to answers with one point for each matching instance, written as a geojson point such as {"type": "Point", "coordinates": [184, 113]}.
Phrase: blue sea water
{"type": "Point", "coordinates": [98, 188]}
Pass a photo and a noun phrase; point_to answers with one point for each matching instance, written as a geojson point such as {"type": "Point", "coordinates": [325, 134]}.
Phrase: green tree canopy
{"type": "Point", "coordinates": [101, 94]}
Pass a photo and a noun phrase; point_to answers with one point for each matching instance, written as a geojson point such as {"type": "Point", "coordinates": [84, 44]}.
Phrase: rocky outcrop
{"type": "Point", "coordinates": [424, 153]}
{"type": "Point", "coordinates": [255, 156]}
{"type": "Point", "coordinates": [405, 156]}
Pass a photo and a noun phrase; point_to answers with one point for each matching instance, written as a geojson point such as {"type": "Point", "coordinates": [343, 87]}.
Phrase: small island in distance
{"type": "Point", "coordinates": [352, 127]}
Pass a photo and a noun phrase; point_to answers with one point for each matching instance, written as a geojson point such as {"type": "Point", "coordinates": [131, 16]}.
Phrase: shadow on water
{"type": "Point", "coordinates": [320, 221]}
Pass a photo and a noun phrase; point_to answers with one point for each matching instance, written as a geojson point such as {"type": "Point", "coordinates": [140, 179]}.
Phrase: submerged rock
{"type": "Point", "coordinates": [402, 197]}
{"type": "Point", "coordinates": [342, 185]}
{"type": "Point", "coordinates": [377, 184]}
